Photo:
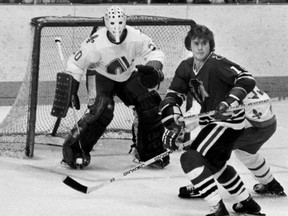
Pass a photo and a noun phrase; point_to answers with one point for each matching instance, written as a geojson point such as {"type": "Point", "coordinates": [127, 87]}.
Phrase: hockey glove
{"type": "Point", "coordinates": [220, 112]}
{"type": "Point", "coordinates": [234, 98]}
{"type": "Point", "coordinates": [149, 76]}
{"type": "Point", "coordinates": [170, 137]}
{"type": "Point", "coordinates": [171, 117]}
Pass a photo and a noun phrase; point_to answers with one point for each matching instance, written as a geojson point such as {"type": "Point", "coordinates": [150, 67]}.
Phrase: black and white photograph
{"type": "Point", "coordinates": [144, 107]}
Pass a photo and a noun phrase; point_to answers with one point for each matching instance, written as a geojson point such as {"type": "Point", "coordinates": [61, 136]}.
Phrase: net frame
{"type": "Point", "coordinates": [40, 23]}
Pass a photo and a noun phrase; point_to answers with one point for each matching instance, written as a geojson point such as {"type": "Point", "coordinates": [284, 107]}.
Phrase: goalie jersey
{"type": "Point", "coordinates": [114, 61]}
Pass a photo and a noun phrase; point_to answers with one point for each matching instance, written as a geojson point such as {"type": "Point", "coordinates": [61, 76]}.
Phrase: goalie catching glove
{"type": "Point", "coordinates": [150, 75]}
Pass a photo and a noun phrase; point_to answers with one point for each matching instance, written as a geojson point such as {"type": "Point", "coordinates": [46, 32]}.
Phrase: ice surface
{"type": "Point", "coordinates": [33, 187]}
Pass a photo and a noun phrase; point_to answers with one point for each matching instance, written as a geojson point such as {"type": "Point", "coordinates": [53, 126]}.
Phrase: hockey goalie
{"type": "Point", "coordinates": [108, 59]}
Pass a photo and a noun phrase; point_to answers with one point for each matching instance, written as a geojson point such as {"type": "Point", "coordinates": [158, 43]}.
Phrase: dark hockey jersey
{"type": "Point", "coordinates": [219, 77]}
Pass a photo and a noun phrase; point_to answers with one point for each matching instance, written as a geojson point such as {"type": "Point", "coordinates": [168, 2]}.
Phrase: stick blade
{"type": "Point", "coordinates": [75, 185]}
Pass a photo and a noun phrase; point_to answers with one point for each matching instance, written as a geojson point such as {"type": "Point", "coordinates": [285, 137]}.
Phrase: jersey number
{"type": "Point", "coordinates": [78, 55]}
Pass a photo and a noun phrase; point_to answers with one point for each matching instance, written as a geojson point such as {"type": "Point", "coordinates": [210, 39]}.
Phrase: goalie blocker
{"type": "Point", "coordinates": [66, 90]}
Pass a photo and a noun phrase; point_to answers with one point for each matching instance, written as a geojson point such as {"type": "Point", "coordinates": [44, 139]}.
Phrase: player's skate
{"type": "Point", "coordinates": [248, 206]}
{"type": "Point", "coordinates": [272, 188]}
{"type": "Point", "coordinates": [189, 192]}
{"type": "Point", "coordinates": [219, 210]}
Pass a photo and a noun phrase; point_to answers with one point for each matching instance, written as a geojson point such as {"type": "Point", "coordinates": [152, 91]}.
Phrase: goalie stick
{"type": "Point", "coordinates": [59, 48]}
{"type": "Point", "coordinates": [79, 161]}
{"type": "Point", "coordinates": [58, 43]}
{"type": "Point", "coordinates": [251, 104]}
{"type": "Point", "coordinates": [87, 189]}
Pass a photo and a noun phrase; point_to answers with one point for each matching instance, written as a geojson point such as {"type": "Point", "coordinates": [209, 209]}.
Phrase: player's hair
{"type": "Point", "coordinates": [200, 32]}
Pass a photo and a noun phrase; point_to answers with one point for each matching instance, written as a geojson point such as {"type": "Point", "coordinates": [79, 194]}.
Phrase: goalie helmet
{"type": "Point", "coordinates": [115, 21]}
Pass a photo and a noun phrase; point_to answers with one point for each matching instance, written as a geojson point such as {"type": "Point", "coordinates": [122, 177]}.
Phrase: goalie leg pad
{"type": "Point", "coordinates": [99, 117]}
{"type": "Point", "coordinates": [92, 126]}
{"type": "Point", "coordinates": [69, 157]}
{"type": "Point", "coordinates": [149, 129]}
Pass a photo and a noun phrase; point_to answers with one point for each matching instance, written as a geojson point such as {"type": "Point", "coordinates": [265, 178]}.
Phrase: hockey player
{"type": "Point", "coordinates": [260, 125]}
{"type": "Point", "coordinates": [216, 84]}
{"type": "Point", "coordinates": [109, 56]}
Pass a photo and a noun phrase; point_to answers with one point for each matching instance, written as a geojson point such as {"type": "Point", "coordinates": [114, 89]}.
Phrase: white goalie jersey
{"type": "Point", "coordinates": [114, 61]}
{"type": "Point", "coordinates": [258, 116]}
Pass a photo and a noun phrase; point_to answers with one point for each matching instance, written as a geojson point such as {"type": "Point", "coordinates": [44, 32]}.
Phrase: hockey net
{"type": "Point", "coordinates": [29, 119]}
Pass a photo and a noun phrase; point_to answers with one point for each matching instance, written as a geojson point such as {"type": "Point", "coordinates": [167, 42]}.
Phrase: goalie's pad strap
{"type": "Point", "coordinates": [62, 95]}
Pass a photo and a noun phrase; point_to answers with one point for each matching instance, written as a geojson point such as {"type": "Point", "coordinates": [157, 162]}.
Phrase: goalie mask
{"type": "Point", "coordinates": [115, 22]}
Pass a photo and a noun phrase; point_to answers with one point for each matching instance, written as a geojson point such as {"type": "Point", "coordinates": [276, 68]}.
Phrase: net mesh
{"type": "Point", "coordinates": [168, 34]}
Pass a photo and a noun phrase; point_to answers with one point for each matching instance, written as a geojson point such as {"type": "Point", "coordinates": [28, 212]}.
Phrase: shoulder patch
{"type": "Point", "coordinates": [218, 57]}
{"type": "Point", "coordinates": [92, 38]}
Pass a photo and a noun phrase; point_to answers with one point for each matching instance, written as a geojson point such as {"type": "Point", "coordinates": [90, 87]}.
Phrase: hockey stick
{"type": "Point", "coordinates": [79, 161]}
{"type": "Point", "coordinates": [87, 189]}
{"type": "Point", "coordinates": [242, 106]}
{"type": "Point", "coordinates": [59, 48]}
{"type": "Point", "coordinates": [58, 43]}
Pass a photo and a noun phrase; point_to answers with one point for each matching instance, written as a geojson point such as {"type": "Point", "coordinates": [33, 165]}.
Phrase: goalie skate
{"type": "Point", "coordinates": [161, 163]}
{"type": "Point", "coordinates": [81, 161]}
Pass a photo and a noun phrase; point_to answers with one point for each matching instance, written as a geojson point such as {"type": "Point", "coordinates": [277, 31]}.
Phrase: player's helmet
{"type": "Point", "coordinates": [115, 21]}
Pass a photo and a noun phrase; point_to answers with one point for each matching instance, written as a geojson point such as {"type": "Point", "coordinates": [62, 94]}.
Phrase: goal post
{"type": "Point", "coordinates": [30, 115]}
